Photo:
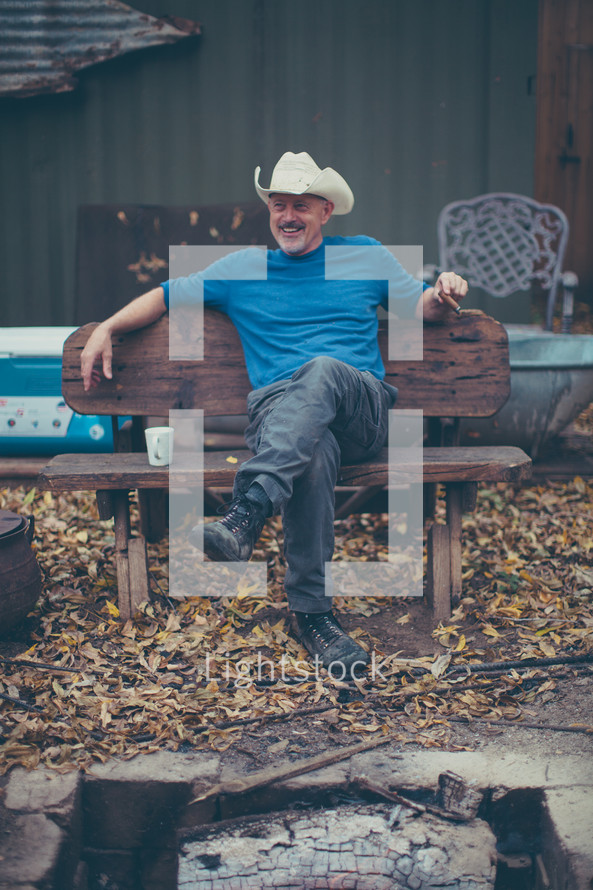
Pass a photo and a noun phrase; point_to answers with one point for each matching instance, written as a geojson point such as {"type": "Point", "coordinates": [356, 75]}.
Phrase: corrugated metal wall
{"type": "Point", "coordinates": [415, 102]}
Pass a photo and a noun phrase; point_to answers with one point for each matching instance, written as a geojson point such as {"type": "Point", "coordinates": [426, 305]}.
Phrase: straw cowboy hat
{"type": "Point", "coordinates": [298, 174]}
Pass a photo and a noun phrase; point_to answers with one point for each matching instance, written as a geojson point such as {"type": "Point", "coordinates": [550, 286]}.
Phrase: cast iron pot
{"type": "Point", "coordinates": [20, 578]}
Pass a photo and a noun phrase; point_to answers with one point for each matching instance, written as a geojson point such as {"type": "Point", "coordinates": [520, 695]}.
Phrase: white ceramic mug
{"type": "Point", "coordinates": [159, 445]}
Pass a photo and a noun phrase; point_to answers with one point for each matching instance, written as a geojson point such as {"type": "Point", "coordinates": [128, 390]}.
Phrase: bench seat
{"type": "Point", "coordinates": [459, 469]}
{"type": "Point", "coordinates": [131, 470]}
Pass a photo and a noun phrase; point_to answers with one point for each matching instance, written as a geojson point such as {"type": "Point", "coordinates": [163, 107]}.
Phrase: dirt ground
{"type": "Point", "coordinates": [568, 703]}
{"type": "Point", "coordinates": [78, 685]}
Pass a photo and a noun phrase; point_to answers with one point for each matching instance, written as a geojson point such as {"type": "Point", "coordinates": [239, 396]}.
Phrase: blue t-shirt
{"type": "Point", "coordinates": [288, 310]}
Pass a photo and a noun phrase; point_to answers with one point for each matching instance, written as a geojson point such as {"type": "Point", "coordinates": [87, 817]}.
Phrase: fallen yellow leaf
{"type": "Point", "coordinates": [490, 631]}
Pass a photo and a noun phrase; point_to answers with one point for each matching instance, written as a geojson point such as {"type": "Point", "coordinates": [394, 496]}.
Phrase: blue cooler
{"type": "Point", "coordinates": [34, 418]}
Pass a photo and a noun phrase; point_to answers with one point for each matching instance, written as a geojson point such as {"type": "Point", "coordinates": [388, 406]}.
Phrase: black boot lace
{"type": "Point", "coordinates": [324, 629]}
{"type": "Point", "coordinates": [240, 514]}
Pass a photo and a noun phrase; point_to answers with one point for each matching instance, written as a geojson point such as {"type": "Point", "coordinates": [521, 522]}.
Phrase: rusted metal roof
{"type": "Point", "coordinates": [43, 43]}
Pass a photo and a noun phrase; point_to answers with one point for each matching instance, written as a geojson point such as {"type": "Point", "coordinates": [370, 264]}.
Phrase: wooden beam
{"type": "Point", "coordinates": [453, 495]}
{"type": "Point", "coordinates": [139, 591]}
{"type": "Point", "coordinates": [438, 575]}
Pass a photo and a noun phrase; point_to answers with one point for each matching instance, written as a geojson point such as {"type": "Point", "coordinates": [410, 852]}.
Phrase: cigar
{"type": "Point", "coordinates": [450, 302]}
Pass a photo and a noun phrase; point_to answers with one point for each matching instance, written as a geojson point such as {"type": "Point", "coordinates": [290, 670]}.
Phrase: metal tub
{"type": "Point", "coordinates": [551, 383]}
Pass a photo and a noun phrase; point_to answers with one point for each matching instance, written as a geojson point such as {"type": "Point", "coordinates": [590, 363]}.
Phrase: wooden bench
{"type": "Point", "coordinates": [464, 373]}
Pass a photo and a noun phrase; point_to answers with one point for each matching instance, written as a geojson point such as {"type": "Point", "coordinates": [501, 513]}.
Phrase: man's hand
{"type": "Point", "coordinates": [452, 285]}
{"type": "Point", "coordinates": [435, 305]}
{"type": "Point", "coordinates": [96, 354]}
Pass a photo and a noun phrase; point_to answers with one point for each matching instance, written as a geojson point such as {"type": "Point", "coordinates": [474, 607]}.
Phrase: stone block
{"type": "Point", "coordinates": [57, 797]}
{"type": "Point", "coordinates": [568, 828]}
{"type": "Point", "coordinates": [44, 791]}
{"type": "Point", "coordinates": [162, 766]}
{"type": "Point", "coordinates": [30, 848]}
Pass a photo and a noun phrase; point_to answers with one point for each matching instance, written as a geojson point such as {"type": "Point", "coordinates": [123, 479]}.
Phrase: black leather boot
{"type": "Point", "coordinates": [232, 538]}
{"type": "Point", "coordinates": [322, 636]}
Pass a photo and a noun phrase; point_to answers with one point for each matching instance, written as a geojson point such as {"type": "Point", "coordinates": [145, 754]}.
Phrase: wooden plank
{"type": "Point", "coordinates": [22, 467]}
{"type": "Point", "coordinates": [453, 502]}
{"type": "Point", "coordinates": [218, 384]}
{"type": "Point", "coordinates": [465, 368]}
{"type": "Point", "coordinates": [138, 569]}
{"type": "Point", "coordinates": [121, 519]}
{"type": "Point", "coordinates": [438, 574]}
{"type": "Point", "coordinates": [464, 371]}
{"type": "Point", "coordinates": [121, 527]}
{"type": "Point", "coordinates": [459, 464]}
{"type": "Point", "coordinates": [82, 472]}
{"type": "Point", "coordinates": [122, 569]}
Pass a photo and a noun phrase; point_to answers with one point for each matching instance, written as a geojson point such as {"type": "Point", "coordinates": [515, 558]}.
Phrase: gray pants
{"type": "Point", "coordinates": [300, 431]}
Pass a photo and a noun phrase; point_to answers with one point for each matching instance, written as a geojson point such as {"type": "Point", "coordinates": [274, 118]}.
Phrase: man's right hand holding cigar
{"type": "Point", "coordinates": [444, 297]}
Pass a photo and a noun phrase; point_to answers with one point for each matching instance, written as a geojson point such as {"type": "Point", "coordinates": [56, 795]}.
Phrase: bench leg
{"type": "Point", "coordinates": [438, 576]}
{"type": "Point", "coordinates": [454, 495]}
{"type": "Point", "coordinates": [104, 504]}
{"type": "Point", "coordinates": [138, 569]}
{"type": "Point", "coordinates": [444, 585]}
{"type": "Point", "coordinates": [133, 583]}
{"type": "Point", "coordinates": [154, 509]}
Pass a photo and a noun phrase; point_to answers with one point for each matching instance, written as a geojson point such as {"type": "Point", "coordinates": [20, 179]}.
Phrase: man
{"type": "Point", "coordinates": [318, 396]}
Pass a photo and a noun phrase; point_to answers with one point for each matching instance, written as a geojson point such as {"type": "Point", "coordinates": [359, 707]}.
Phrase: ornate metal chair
{"type": "Point", "coordinates": [503, 242]}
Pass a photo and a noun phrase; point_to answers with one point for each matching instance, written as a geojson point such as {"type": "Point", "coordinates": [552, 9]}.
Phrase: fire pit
{"type": "Point", "coordinates": [387, 821]}
{"type": "Point", "coordinates": [355, 846]}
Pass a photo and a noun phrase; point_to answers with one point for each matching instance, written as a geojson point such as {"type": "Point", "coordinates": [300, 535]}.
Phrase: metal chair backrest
{"type": "Point", "coordinates": [502, 242]}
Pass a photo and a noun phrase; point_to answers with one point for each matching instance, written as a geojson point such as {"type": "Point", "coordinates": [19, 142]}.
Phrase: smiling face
{"type": "Point", "coordinates": [296, 221]}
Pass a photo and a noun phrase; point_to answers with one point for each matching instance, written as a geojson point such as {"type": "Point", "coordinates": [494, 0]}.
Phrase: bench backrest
{"type": "Point", "coordinates": [464, 373]}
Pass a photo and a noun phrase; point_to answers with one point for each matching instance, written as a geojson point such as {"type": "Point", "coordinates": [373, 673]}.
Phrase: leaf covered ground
{"type": "Point", "coordinates": [79, 686]}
